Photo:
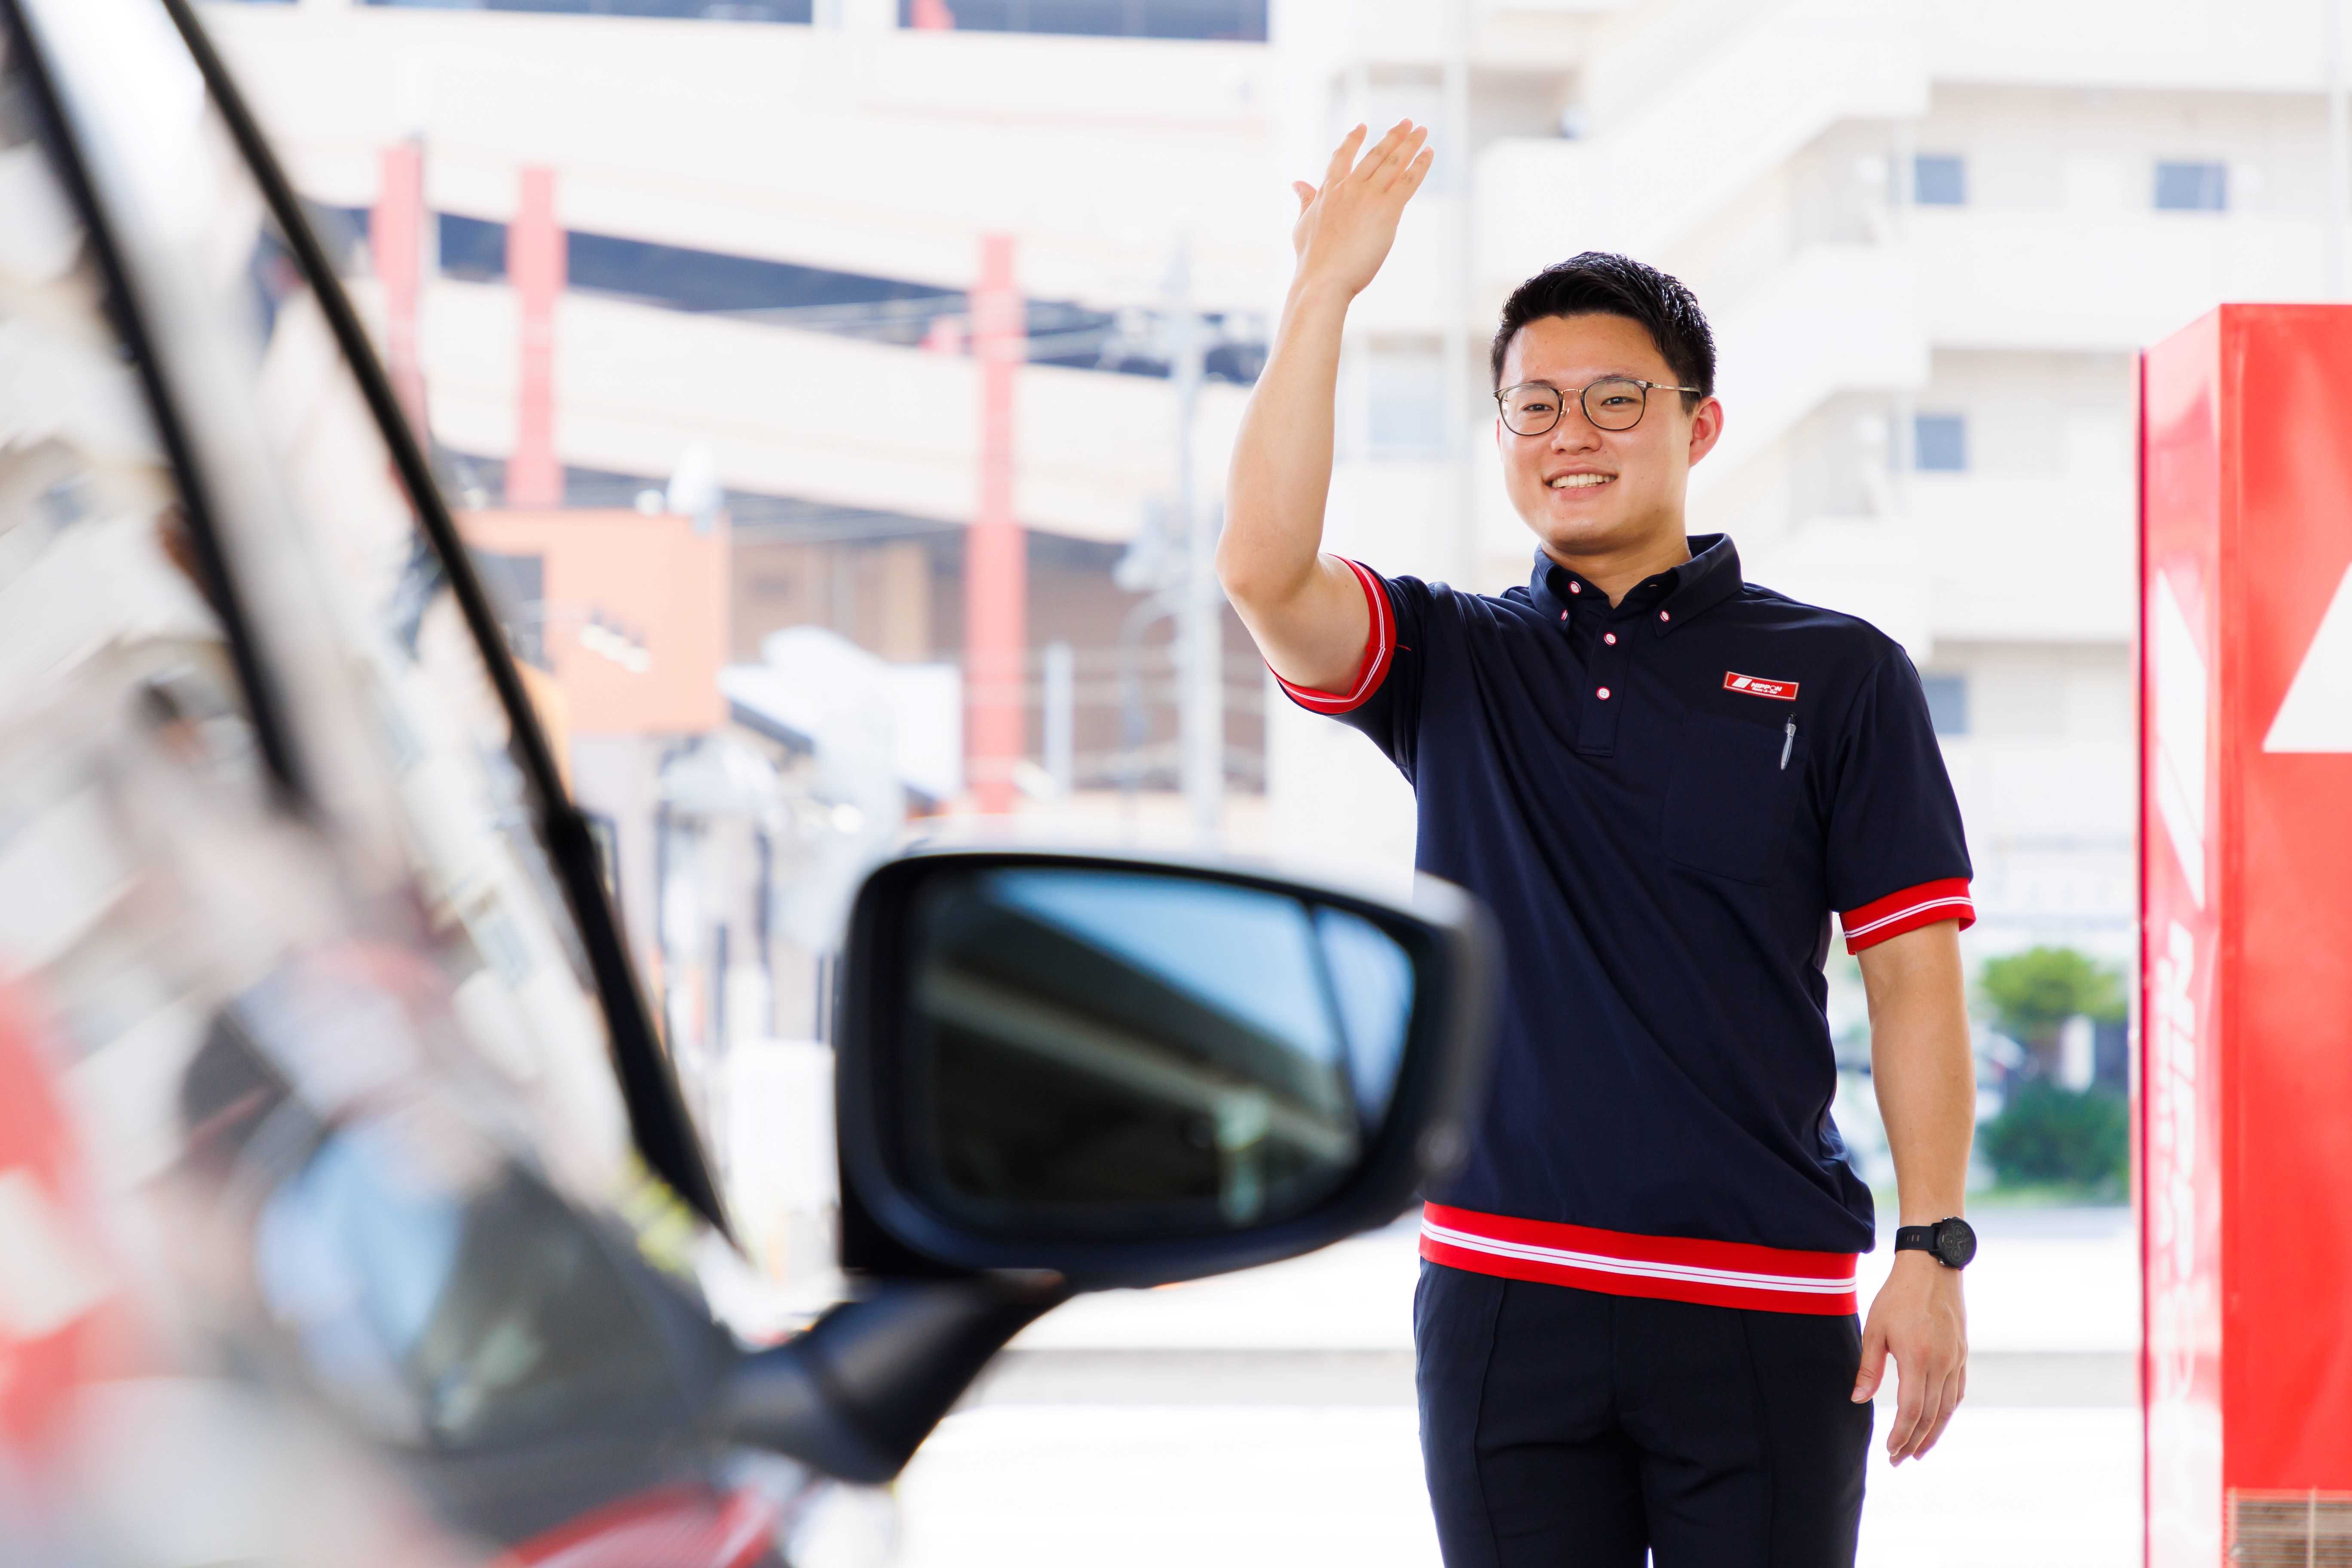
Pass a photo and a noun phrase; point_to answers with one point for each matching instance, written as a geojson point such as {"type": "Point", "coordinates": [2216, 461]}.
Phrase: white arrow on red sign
{"type": "Point", "coordinates": [2317, 715]}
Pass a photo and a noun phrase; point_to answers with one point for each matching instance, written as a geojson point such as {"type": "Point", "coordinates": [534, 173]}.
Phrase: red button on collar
{"type": "Point", "coordinates": [1576, 587]}
{"type": "Point", "coordinates": [1609, 637]}
{"type": "Point", "coordinates": [1603, 694]}
{"type": "Point", "coordinates": [1664, 617]}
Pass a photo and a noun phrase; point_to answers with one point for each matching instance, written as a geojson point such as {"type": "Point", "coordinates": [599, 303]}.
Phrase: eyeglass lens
{"type": "Point", "coordinates": [1615, 403]}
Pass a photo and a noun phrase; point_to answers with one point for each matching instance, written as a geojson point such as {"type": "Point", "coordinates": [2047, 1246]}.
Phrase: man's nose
{"type": "Point", "coordinates": [1574, 433]}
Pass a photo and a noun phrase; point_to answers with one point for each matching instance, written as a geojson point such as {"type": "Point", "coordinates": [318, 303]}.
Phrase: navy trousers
{"type": "Point", "coordinates": [1568, 1430]}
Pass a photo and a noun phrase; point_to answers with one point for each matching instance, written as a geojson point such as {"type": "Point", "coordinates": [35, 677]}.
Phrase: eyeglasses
{"type": "Point", "coordinates": [1612, 402]}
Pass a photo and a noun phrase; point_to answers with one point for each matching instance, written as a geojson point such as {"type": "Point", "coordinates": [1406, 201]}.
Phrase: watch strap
{"type": "Point", "coordinates": [1950, 1242]}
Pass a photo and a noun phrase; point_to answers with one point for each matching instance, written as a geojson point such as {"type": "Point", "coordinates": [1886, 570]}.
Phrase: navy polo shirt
{"type": "Point", "coordinates": [1662, 803]}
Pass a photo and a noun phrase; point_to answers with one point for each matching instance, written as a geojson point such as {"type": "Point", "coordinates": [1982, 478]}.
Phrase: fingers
{"type": "Point", "coordinates": [1938, 1398]}
{"type": "Point", "coordinates": [1400, 158]}
{"type": "Point", "coordinates": [1304, 192]}
{"type": "Point", "coordinates": [1375, 160]}
{"type": "Point", "coordinates": [1874, 1364]}
{"type": "Point", "coordinates": [1394, 155]}
{"type": "Point", "coordinates": [1419, 171]}
{"type": "Point", "coordinates": [1955, 1390]}
{"type": "Point", "coordinates": [1344, 157]}
{"type": "Point", "coordinates": [1910, 1402]}
{"type": "Point", "coordinates": [1932, 1413]}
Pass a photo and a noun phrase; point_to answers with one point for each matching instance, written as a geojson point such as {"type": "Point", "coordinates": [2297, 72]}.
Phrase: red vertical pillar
{"type": "Point", "coordinates": [996, 565]}
{"type": "Point", "coordinates": [535, 270]}
{"type": "Point", "coordinates": [2246, 900]}
{"type": "Point", "coordinates": [396, 237]}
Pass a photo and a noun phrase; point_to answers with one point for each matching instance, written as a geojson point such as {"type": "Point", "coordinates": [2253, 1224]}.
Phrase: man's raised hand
{"type": "Point", "coordinates": [1346, 226]}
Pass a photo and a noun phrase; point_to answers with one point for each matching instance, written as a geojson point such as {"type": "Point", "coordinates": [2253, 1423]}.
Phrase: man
{"type": "Point", "coordinates": [1636, 1321]}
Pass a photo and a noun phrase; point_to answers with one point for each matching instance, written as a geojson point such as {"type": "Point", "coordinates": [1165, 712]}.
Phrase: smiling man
{"type": "Point", "coordinates": [1636, 1326]}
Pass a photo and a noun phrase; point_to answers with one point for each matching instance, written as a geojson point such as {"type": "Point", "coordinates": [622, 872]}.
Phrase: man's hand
{"type": "Point", "coordinates": [1345, 227]}
{"type": "Point", "coordinates": [1918, 1316]}
{"type": "Point", "coordinates": [1306, 609]}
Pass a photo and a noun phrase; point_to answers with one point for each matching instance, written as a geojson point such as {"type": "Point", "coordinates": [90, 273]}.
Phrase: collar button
{"type": "Point", "coordinates": [1664, 617]}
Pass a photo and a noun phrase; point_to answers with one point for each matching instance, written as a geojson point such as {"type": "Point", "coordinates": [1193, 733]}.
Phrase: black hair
{"type": "Point", "coordinates": [1599, 283]}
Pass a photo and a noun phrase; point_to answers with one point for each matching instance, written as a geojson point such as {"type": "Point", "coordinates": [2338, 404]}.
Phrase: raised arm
{"type": "Point", "coordinates": [1306, 610]}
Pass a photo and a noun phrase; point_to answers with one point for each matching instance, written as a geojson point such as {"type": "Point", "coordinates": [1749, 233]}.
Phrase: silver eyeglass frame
{"type": "Point", "coordinates": [1503, 408]}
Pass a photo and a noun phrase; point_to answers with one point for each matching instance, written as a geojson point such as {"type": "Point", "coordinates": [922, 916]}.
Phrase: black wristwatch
{"type": "Point", "coordinates": [1949, 1242]}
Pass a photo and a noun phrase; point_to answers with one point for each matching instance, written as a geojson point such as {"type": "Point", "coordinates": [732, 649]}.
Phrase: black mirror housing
{"type": "Point", "coordinates": [1161, 999]}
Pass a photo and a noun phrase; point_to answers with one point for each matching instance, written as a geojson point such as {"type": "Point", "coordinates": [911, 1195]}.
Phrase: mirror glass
{"type": "Point", "coordinates": [1153, 1052]}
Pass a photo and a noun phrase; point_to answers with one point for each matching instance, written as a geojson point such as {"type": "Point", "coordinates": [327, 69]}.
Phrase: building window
{"type": "Point", "coordinates": [1947, 702]}
{"type": "Point", "coordinates": [2193, 188]}
{"type": "Point", "coordinates": [1239, 20]}
{"type": "Point", "coordinates": [1940, 443]}
{"type": "Point", "coordinates": [1939, 179]}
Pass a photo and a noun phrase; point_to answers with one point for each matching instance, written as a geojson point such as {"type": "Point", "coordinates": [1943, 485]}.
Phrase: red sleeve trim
{"type": "Point", "coordinates": [1909, 909]}
{"type": "Point", "coordinates": [1379, 647]}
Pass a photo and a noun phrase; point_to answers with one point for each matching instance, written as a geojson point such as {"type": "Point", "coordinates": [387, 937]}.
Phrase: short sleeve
{"type": "Point", "coordinates": [1383, 699]}
{"type": "Point", "coordinates": [1898, 859]}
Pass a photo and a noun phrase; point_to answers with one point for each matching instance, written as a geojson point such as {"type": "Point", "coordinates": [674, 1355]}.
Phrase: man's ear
{"type": "Point", "coordinates": [1707, 427]}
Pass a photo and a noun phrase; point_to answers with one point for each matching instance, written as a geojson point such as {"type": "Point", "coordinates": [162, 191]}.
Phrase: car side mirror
{"type": "Point", "coordinates": [1128, 1072]}
{"type": "Point", "coordinates": [1060, 1072]}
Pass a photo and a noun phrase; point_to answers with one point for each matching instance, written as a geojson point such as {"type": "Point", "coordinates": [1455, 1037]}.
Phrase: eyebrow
{"type": "Point", "coordinates": [1556, 387]}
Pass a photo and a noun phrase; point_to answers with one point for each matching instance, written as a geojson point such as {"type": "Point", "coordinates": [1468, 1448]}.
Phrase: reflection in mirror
{"type": "Point", "coordinates": [1093, 1048]}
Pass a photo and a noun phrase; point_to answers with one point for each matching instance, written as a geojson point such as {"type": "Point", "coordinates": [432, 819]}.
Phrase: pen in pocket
{"type": "Point", "coordinates": [1788, 745]}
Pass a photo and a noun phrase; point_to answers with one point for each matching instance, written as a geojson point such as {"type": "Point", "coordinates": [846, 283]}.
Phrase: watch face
{"type": "Point", "coordinates": [1954, 1243]}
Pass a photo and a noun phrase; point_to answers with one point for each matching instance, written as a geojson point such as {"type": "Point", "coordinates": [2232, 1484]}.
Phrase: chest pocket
{"type": "Point", "coordinates": [1729, 801]}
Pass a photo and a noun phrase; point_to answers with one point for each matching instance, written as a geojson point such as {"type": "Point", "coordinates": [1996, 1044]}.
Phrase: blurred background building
{"type": "Point", "coordinates": [837, 394]}
{"type": "Point", "coordinates": [840, 390]}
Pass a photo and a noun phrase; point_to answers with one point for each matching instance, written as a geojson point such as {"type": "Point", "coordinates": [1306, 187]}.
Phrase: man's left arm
{"type": "Point", "coordinates": [1925, 1078]}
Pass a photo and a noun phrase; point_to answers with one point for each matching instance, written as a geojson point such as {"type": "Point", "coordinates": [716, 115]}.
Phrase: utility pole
{"type": "Point", "coordinates": [397, 233]}
{"type": "Point", "coordinates": [1454, 154]}
{"type": "Point", "coordinates": [996, 571]}
{"type": "Point", "coordinates": [1201, 633]}
{"type": "Point", "coordinates": [536, 270]}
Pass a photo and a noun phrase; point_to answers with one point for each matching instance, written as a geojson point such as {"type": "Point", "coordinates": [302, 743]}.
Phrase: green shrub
{"type": "Point", "coordinates": [2048, 1135]}
{"type": "Point", "coordinates": [2034, 991]}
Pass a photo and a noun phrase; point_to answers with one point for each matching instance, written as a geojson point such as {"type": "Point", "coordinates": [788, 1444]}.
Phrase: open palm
{"type": "Point", "coordinates": [1346, 226]}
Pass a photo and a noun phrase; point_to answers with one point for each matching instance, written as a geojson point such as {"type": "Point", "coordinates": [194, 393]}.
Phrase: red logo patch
{"type": "Point", "coordinates": [1757, 686]}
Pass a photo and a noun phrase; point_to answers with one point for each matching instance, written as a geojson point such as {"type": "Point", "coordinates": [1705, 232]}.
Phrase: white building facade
{"type": "Point", "coordinates": [1931, 236]}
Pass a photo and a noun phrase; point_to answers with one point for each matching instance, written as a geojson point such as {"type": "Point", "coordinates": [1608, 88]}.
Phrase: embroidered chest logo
{"type": "Point", "coordinates": [1757, 686]}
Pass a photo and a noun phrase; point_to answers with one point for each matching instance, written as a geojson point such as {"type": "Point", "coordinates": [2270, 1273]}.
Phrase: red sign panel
{"type": "Point", "coordinates": [2246, 937]}
{"type": "Point", "coordinates": [1756, 685]}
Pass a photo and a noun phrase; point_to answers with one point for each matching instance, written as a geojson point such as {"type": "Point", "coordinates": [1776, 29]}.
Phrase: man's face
{"type": "Point", "coordinates": [1583, 490]}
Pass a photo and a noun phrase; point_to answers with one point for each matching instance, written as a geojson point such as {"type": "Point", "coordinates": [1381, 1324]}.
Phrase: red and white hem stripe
{"type": "Point", "coordinates": [1909, 909]}
{"type": "Point", "coordinates": [1379, 647]}
{"type": "Point", "coordinates": [1619, 1263]}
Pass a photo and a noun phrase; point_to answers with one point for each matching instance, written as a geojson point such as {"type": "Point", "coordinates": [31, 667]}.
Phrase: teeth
{"type": "Point", "coordinates": [1579, 481]}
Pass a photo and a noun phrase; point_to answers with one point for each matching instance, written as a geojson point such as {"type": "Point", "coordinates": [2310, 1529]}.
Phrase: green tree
{"type": "Point", "coordinates": [2033, 994]}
